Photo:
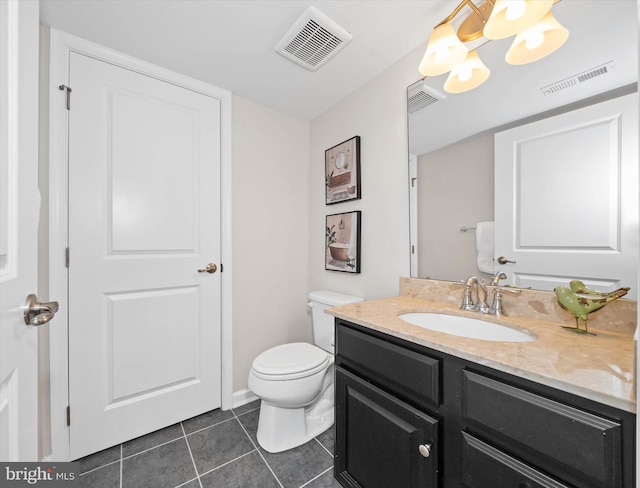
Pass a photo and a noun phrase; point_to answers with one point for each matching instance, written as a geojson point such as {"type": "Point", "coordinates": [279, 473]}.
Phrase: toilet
{"type": "Point", "coordinates": [295, 381]}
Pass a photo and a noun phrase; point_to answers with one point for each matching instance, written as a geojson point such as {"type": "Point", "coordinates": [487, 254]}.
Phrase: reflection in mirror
{"type": "Point", "coordinates": [563, 133]}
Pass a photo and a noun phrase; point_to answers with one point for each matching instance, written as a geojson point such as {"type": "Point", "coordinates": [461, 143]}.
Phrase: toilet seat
{"type": "Point", "coordinates": [290, 361]}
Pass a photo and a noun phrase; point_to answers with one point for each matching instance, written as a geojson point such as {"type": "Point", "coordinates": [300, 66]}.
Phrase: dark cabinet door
{"type": "Point", "coordinates": [382, 442]}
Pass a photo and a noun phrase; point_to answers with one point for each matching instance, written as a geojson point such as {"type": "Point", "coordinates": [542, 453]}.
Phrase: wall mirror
{"type": "Point", "coordinates": [453, 153]}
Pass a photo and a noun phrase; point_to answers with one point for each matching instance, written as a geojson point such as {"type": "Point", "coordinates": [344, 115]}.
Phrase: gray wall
{"type": "Point", "coordinates": [455, 189]}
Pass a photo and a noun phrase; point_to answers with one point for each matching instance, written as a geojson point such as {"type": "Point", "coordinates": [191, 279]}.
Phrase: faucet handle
{"type": "Point", "coordinates": [512, 291]}
{"type": "Point", "coordinates": [497, 308]}
{"type": "Point", "coordinates": [467, 301]}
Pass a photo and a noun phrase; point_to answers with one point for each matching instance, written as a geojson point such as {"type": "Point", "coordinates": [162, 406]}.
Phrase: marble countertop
{"type": "Point", "coordinates": [599, 367]}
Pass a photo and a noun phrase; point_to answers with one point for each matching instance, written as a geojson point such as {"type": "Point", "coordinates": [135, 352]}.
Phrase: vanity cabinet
{"type": "Point", "coordinates": [397, 401]}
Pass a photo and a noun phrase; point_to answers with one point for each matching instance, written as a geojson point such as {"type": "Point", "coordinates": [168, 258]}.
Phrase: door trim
{"type": "Point", "coordinates": [61, 45]}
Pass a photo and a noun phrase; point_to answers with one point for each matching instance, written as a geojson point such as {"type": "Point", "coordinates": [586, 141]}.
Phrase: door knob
{"type": "Point", "coordinates": [210, 268]}
{"type": "Point", "coordinates": [424, 449]}
{"type": "Point", "coordinates": [503, 260]}
{"type": "Point", "coordinates": [36, 313]}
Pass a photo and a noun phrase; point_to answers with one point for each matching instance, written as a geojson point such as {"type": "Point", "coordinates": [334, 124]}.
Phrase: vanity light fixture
{"type": "Point", "coordinates": [537, 41]}
{"type": "Point", "coordinates": [468, 75]}
{"type": "Point", "coordinates": [444, 51]}
{"type": "Point", "coordinates": [537, 32]}
{"type": "Point", "coordinates": [509, 17]}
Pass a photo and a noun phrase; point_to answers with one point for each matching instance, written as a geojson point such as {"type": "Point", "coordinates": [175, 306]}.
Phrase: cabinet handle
{"type": "Point", "coordinates": [424, 449]}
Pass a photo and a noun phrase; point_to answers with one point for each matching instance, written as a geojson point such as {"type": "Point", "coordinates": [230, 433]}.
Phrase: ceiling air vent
{"type": "Point", "coordinates": [421, 96]}
{"type": "Point", "coordinates": [577, 79]}
{"type": "Point", "coordinates": [313, 40]}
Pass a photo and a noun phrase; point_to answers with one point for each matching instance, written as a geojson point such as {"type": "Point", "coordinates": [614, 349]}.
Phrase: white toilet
{"type": "Point", "coordinates": [295, 381]}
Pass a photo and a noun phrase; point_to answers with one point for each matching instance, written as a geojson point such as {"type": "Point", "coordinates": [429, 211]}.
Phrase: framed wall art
{"type": "Point", "coordinates": [342, 171]}
{"type": "Point", "coordinates": [342, 242]}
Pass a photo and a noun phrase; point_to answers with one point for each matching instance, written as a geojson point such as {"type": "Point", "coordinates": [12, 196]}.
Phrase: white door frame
{"type": "Point", "coordinates": [62, 45]}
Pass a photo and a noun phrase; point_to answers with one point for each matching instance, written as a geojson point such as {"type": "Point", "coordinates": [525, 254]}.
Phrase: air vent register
{"type": "Point", "coordinates": [313, 40]}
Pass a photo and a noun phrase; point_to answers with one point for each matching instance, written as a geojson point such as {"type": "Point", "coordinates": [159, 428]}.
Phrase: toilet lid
{"type": "Point", "coordinates": [291, 359]}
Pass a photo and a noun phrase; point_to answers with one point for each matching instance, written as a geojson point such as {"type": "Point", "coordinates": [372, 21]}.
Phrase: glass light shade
{"type": "Point", "coordinates": [510, 17]}
{"type": "Point", "coordinates": [444, 51]}
{"type": "Point", "coordinates": [537, 41]}
{"type": "Point", "coordinates": [468, 75]}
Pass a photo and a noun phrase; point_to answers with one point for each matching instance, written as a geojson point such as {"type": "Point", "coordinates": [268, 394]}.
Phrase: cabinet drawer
{"type": "Point", "coordinates": [484, 466]}
{"type": "Point", "coordinates": [580, 447]}
{"type": "Point", "coordinates": [410, 375]}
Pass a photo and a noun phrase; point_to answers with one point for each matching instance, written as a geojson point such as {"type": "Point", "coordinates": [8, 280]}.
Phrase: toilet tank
{"type": "Point", "coordinates": [323, 330]}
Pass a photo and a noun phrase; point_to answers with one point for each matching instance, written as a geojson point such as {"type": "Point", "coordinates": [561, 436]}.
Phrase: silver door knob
{"type": "Point", "coordinates": [503, 260]}
{"type": "Point", "coordinates": [424, 449]}
{"type": "Point", "coordinates": [36, 313]}
{"type": "Point", "coordinates": [209, 268]}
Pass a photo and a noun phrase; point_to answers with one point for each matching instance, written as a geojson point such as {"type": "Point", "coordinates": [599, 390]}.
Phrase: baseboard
{"type": "Point", "coordinates": [242, 397]}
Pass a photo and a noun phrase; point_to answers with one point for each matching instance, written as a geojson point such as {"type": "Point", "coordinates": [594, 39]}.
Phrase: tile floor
{"type": "Point", "coordinates": [215, 450]}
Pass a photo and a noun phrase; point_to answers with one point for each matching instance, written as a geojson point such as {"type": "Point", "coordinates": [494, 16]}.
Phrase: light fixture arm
{"type": "Point", "coordinates": [462, 4]}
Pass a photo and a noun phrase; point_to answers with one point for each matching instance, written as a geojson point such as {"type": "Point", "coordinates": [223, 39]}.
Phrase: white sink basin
{"type": "Point", "coordinates": [466, 327]}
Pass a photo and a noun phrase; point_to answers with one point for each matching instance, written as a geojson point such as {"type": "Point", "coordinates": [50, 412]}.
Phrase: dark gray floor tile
{"type": "Point", "coordinates": [100, 458]}
{"type": "Point", "coordinates": [324, 481]}
{"type": "Point", "coordinates": [154, 439]}
{"type": "Point", "coordinates": [250, 422]}
{"type": "Point", "coordinates": [218, 444]}
{"type": "Point", "coordinates": [166, 466]}
{"type": "Point", "coordinates": [327, 439]}
{"type": "Point", "coordinates": [249, 471]}
{"type": "Point", "coordinates": [297, 466]}
{"type": "Point", "coordinates": [191, 484]}
{"type": "Point", "coordinates": [247, 407]}
{"type": "Point", "coordinates": [206, 420]}
{"type": "Point", "coordinates": [106, 477]}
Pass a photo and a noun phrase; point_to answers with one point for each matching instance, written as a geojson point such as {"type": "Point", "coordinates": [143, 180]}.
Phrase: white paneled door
{"type": "Point", "coordinates": [19, 207]}
{"type": "Point", "coordinates": [566, 202]}
{"type": "Point", "coordinates": [144, 224]}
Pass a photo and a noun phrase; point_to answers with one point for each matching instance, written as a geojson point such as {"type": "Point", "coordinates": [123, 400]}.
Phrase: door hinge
{"type": "Point", "coordinates": [413, 182]}
{"type": "Point", "coordinates": [413, 249]}
{"type": "Point", "coordinates": [68, 90]}
{"type": "Point", "coordinates": [68, 415]}
{"type": "Point", "coordinates": [66, 257]}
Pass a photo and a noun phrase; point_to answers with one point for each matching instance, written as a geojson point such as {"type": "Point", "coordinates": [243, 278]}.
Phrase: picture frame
{"type": "Point", "coordinates": [342, 242]}
{"type": "Point", "coordinates": [342, 172]}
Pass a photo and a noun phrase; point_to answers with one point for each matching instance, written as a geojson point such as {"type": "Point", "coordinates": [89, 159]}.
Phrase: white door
{"type": "Point", "coordinates": [566, 203]}
{"type": "Point", "coordinates": [144, 217]}
{"type": "Point", "coordinates": [19, 207]}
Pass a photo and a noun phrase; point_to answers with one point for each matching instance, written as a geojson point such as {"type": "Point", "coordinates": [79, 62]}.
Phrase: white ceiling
{"type": "Point", "coordinates": [229, 43]}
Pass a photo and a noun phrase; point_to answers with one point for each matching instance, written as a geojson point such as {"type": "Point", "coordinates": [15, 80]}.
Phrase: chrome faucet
{"type": "Point", "coordinates": [473, 282]}
{"type": "Point", "coordinates": [500, 275]}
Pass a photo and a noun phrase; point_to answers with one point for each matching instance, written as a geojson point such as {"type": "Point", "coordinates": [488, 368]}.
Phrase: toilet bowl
{"type": "Point", "coordinates": [295, 382]}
